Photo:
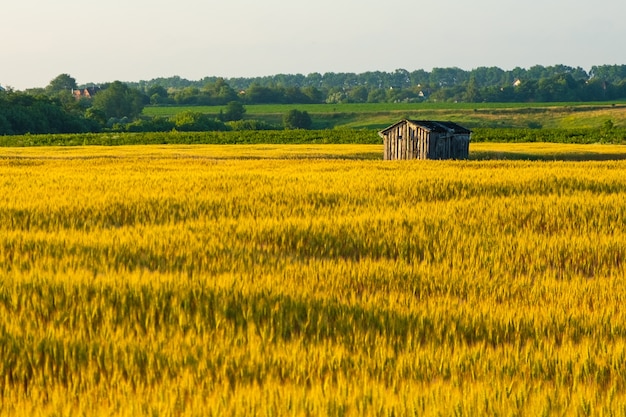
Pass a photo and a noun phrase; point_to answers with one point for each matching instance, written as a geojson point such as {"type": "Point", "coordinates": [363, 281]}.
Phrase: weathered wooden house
{"type": "Point", "coordinates": [425, 139]}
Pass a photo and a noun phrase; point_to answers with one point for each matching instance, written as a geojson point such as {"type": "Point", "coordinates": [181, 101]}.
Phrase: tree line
{"type": "Point", "coordinates": [118, 106]}
{"type": "Point", "coordinates": [485, 84]}
{"type": "Point", "coordinates": [62, 107]}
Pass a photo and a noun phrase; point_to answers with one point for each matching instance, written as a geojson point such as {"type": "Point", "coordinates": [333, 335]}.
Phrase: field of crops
{"type": "Point", "coordinates": [312, 280]}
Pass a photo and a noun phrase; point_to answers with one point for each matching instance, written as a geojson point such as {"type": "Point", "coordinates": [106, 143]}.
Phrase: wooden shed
{"type": "Point", "coordinates": [425, 139]}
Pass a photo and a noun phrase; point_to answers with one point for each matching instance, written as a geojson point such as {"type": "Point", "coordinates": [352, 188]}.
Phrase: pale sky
{"type": "Point", "coordinates": [132, 40]}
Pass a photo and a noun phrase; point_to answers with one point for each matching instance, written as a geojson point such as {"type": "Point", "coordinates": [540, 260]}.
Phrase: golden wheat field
{"type": "Point", "coordinates": [312, 281]}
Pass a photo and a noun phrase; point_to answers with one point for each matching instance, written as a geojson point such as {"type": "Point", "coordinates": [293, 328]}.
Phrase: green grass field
{"type": "Point", "coordinates": [379, 115]}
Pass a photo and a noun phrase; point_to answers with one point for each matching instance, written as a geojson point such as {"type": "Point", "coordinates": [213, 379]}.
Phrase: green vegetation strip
{"type": "Point", "coordinates": [254, 109]}
{"type": "Point", "coordinates": [329, 136]}
{"type": "Point", "coordinates": [189, 138]}
{"type": "Point", "coordinates": [376, 116]}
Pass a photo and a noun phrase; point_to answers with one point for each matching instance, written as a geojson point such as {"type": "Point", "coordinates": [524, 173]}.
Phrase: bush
{"type": "Point", "coordinates": [156, 124]}
{"type": "Point", "coordinates": [189, 121]}
{"type": "Point", "coordinates": [234, 111]}
{"type": "Point", "coordinates": [296, 119]}
{"type": "Point", "coordinates": [252, 125]}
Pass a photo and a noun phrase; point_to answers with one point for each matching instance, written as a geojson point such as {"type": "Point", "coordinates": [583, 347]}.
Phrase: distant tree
{"type": "Point", "coordinates": [23, 113]}
{"type": "Point", "coordinates": [537, 72]}
{"type": "Point", "coordinates": [251, 124]}
{"type": "Point", "coordinates": [314, 95]}
{"type": "Point", "coordinates": [119, 101]}
{"type": "Point", "coordinates": [260, 94]}
{"type": "Point", "coordinates": [610, 73]}
{"type": "Point", "coordinates": [234, 111]}
{"type": "Point", "coordinates": [295, 95]}
{"type": "Point", "coordinates": [188, 95]}
{"type": "Point", "coordinates": [401, 78]}
{"type": "Point", "coordinates": [472, 92]}
{"type": "Point", "coordinates": [315, 79]}
{"type": "Point", "coordinates": [358, 94]}
{"type": "Point", "coordinates": [561, 87]}
{"type": "Point", "coordinates": [296, 119]}
{"type": "Point", "coordinates": [96, 115]}
{"type": "Point", "coordinates": [447, 77]}
{"type": "Point", "coordinates": [190, 121]}
{"type": "Point", "coordinates": [155, 124]}
{"type": "Point", "coordinates": [526, 90]}
{"type": "Point", "coordinates": [595, 89]}
{"type": "Point", "coordinates": [335, 95]}
{"type": "Point", "coordinates": [377, 96]}
{"type": "Point", "coordinates": [157, 94]}
{"type": "Point", "coordinates": [619, 89]}
{"type": "Point", "coordinates": [61, 83]}
{"type": "Point", "coordinates": [5, 125]}
{"type": "Point", "coordinates": [61, 88]}
{"type": "Point", "coordinates": [420, 78]}
{"type": "Point", "coordinates": [222, 92]}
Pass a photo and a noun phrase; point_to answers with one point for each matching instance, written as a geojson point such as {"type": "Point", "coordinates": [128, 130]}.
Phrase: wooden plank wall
{"type": "Point", "coordinates": [396, 143]}
{"type": "Point", "coordinates": [407, 141]}
{"type": "Point", "coordinates": [423, 144]}
{"type": "Point", "coordinates": [384, 147]}
{"type": "Point", "coordinates": [404, 142]}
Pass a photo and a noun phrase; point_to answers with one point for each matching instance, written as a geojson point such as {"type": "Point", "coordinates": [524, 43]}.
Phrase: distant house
{"type": "Point", "coordinates": [87, 92]}
{"type": "Point", "coordinates": [425, 139]}
{"type": "Point", "coordinates": [517, 83]}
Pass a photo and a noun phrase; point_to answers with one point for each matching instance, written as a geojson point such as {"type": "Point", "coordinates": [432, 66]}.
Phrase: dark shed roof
{"type": "Point", "coordinates": [432, 126]}
{"type": "Point", "coordinates": [438, 126]}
